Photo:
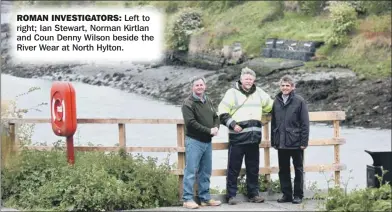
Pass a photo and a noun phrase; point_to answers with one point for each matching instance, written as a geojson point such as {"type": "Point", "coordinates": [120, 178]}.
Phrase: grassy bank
{"type": "Point", "coordinates": [366, 49]}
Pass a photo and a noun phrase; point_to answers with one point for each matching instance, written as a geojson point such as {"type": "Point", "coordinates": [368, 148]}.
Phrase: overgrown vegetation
{"type": "Point", "coordinates": [265, 185]}
{"type": "Point", "coordinates": [187, 21]}
{"type": "Point", "coordinates": [272, 186]}
{"type": "Point", "coordinates": [365, 199]}
{"type": "Point", "coordinates": [369, 199]}
{"type": "Point", "coordinates": [344, 19]}
{"type": "Point", "coordinates": [312, 8]}
{"type": "Point", "coordinates": [9, 109]}
{"type": "Point", "coordinates": [43, 180]}
{"type": "Point", "coordinates": [40, 180]}
{"type": "Point", "coordinates": [343, 26]}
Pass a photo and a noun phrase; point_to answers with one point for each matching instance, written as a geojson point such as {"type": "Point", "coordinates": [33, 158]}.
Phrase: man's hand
{"type": "Point", "coordinates": [303, 147]}
{"type": "Point", "coordinates": [214, 131]}
{"type": "Point", "coordinates": [237, 128]}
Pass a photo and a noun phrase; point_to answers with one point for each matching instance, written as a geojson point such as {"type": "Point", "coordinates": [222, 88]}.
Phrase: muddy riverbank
{"type": "Point", "coordinates": [367, 102]}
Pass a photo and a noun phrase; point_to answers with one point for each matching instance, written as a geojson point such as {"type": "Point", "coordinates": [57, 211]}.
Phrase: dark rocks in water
{"type": "Point", "coordinates": [106, 77]}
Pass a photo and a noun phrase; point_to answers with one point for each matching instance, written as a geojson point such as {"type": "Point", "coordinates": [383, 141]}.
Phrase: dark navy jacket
{"type": "Point", "coordinates": [290, 122]}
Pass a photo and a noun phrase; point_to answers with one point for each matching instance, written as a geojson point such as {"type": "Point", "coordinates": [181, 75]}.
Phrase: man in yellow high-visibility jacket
{"type": "Point", "coordinates": [240, 110]}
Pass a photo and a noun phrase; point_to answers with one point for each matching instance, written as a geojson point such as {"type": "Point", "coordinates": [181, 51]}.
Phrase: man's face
{"type": "Point", "coordinates": [199, 87]}
{"type": "Point", "coordinates": [286, 88]}
{"type": "Point", "coordinates": [247, 81]}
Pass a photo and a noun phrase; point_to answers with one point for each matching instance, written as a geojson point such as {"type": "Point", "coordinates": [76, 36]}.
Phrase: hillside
{"type": "Point", "coordinates": [366, 49]}
{"type": "Point", "coordinates": [364, 45]}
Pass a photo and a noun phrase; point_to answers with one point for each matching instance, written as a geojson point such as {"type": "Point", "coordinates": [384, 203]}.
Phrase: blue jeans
{"type": "Point", "coordinates": [198, 160]}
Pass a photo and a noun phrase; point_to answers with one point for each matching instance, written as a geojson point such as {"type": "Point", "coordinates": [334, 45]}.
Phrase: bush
{"type": "Point", "coordinates": [371, 7]}
{"type": "Point", "coordinates": [38, 180]}
{"type": "Point", "coordinates": [9, 109]}
{"type": "Point", "coordinates": [264, 186]}
{"type": "Point", "coordinates": [367, 199]}
{"type": "Point", "coordinates": [183, 24]}
{"type": "Point", "coordinates": [276, 12]}
{"type": "Point", "coordinates": [312, 8]}
{"type": "Point", "coordinates": [273, 186]}
{"type": "Point", "coordinates": [172, 7]}
{"type": "Point", "coordinates": [41, 180]}
{"type": "Point", "coordinates": [291, 6]}
{"type": "Point", "coordinates": [359, 6]}
{"type": "Point", "coordinates": [377, 7]}
{"type": "Point", "coordinates": [343, 20]}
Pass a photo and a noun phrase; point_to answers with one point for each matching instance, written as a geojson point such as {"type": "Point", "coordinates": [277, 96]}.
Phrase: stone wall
{"type": "Point", "coordinates": [290, 49]}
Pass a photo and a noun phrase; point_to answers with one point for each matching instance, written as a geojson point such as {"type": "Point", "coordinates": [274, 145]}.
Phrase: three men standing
{"type": "Point", "coordinates": [240, 110]}
{"type": "Point", "coordinates": [290, 136]}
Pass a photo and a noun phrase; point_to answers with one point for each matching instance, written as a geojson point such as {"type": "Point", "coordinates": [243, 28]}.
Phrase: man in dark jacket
{"type": "Point", "coordinates": [290, 136]}
{"type": "Point", "coordinates": [201, 124]}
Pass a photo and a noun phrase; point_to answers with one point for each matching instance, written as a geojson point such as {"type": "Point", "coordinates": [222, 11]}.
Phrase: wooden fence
{"type": "Point", "coordinates": [267, 170]}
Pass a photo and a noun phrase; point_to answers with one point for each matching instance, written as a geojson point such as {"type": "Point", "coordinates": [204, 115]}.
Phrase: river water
{"type": "Point", "coordinates": [106, 102]}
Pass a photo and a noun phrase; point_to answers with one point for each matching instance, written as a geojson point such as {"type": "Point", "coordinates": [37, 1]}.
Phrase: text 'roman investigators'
{"type": "Point", "coordinates": [87, 35]}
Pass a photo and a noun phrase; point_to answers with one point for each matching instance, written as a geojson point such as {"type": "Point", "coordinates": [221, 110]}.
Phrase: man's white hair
{"type": "Point", "coordinates": [247, 70]}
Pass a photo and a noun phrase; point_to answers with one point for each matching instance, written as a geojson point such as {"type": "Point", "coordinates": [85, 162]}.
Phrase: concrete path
{"type": "Point", "coordinates": [8, 209]}
{"type": "Point", "coordinates": [307, 205]}
{"type": "Point", "coordinates": [270, 204]}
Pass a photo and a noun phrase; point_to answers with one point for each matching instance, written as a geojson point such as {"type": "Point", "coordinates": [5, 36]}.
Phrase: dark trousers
{"type": "Point", "coordinates": [284, 156]}
{"type": "Point", "coordinates": [234, 163]}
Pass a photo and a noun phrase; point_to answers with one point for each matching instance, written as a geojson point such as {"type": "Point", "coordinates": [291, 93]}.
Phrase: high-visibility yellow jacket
{"type": "Point", "coordinates": [245, 109]}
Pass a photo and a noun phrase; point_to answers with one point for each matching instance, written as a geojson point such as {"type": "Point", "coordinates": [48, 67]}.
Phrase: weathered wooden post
{"type": "Point", "coordinates": [9, 141]}
{"type": "Point", "coordinates": [15, 144]}
{"type": "Point", "coordinates": [181, 157]}
{"type": "Point", "coordinates": [336, 133]}
{"type": "Point", "coordinates": [122, 141]}
{"type": "Point", "coordinates": [266, 138]}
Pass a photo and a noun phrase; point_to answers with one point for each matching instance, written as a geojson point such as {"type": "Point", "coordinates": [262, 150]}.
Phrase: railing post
{"type": "Point", "coordinates": [13, 131]}
{"type": "Point", "coordinates": [336, 133]}
{"type": "Point", "coordinates": [267, 162]}
{"type": "Point", "coordinates": [7, 143]}
{"type": "Point", "coordinates": [121, 136]}
{"type": "Point", "coordinates": [181, 157]}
